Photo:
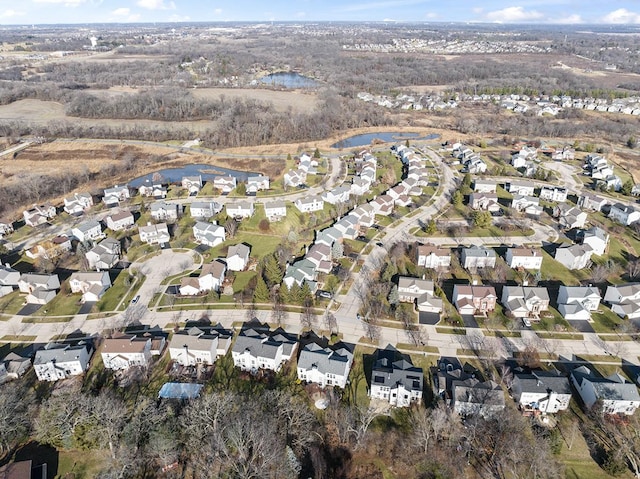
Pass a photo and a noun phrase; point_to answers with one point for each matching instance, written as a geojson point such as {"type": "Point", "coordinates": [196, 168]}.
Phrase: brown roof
{"type": "Point", "coordinates": [120, 215]}
{"type": "Point", "coordinates": [190, 281]}
{"type": "Point", "coordinates": [427, 249]}
{"type": "Point", "coordinates": [216, 268]}
{"type": "Point", "coordinates": [17, 470]}
{"type": "Point", "coordinates": [525, 252]}
{"type": "Point", "coordinates": [124, 344]}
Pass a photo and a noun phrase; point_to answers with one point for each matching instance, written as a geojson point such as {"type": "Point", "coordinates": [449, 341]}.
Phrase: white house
{"type": "Point", "coordinates": [591, 202]}
{"type": "Point", "coordinates": [240, 210]}
{"type": "Point", "coordinates": [295, 178]}
{"type": "Point", "coordinates": [78, 203]}
{"type": "Point", "coordinates": [624, 300]}
{"type": "Point", "coordinates": [528, 204]}
{"type": "Point", "coordinates": [119, 221]}
{"type": "Point", "coordinates": [433, 257]}
{"type": "Point", "coordinates": [275, 210]}
{"type": "Point", "coordinates": [113, 196]}
{"type": "Point", "coordinates": [577, 302]}
{"type": "Point", "coordinates": [339, 194]}
{"type": "Point", "coordinates": [257, 349]}
{"type": "Point", "coordinates": [484, 201]}
{"type": "Point", "coordinates": [88, 231]}
{"type": "Point", "coordinates": [325, 366]}
{"type": "Point", "coordinates": [484, 186]}
{"type": "Point", "coordinates": [204, 209]}
{"type": "Point", "coordinates": [527, 258]}
{"type": "Point", "coordinates": [395, 379]}
{"type": "Point", "coordinates": [154, 234]}
{"type": "Point", "coordinates": [104, 255]}
{"type": "Point", "coordinates": [193, 184]}
{"type": "Point", "coordinates": [419, 292]}
{"type": "Point", "coordinates": [479, 398]}
{"type": "Point", "coordinates": [541, 391]}
{"type": "Point", "coordinates": [225, 184]}
{"type": "Point", "coordinates": [5, 229]}
{"type": "Point", "coordinates": [125, 352]}
{"type": "Point", "coordinates": [60, 361]}
{"type": "Point", "coordinates": [210, 279]}
{"type": "Point", "coordinates": [238, 257]}
{"type": "Point", "coordinates": [13, 366]}
{"type": "Point", "coordinates": [40, 288]}
{"type": "Point", "coordinates": [309, 204]}
{"type": "Point", "coordinates": [92, 284]}
{"type": "Point", "coordinates": [198, 345]}
{"type": "Point", "coordinates": [525, 301]}
{"type": "Point", "coordinates": [152, 189]}
{"type": "Point", "coordinates": [163, 211]}
{"type": "Point", "coordinates": [577, 256]}
{"type": "Point", "coordinates": [570, 217]}
{"type": "Point", "coordinates": [597, 238]}
{"type": "Point", "coordinates": [617, 395]}
{"type": "Point", "coordinates": [210, 234]}
{"type": "Point", "coordinates": [624, 214]}
{"type": "Point", "coordinates": [257, 183]}
{"type": "Point", "coordinates": [556, 194]}
{"type": "Point", "coordinates": [478, 257]}
{"type": "Point", "coordinates": [38, 214]}
{"type": "Point", "coordinates": [9, 278]}
{"type": "Point", "coordinates": [523, 188]}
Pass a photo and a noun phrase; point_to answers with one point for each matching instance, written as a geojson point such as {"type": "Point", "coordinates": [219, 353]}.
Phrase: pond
{"type": "Point", "coordinates": [208, 172]}
{"type": "Point", "coordinates": [386, 136]}
{"type": "Point", "coordinates": [289, 80]}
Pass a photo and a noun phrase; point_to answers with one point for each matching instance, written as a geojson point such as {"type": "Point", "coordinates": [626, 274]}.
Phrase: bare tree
{"type": "Point", "coordinates": [331, 323]}
{"type": "Point", "coordinates": [231, 227]}
{"type": "Point", "coordinates": [372, 329]}
{"type": "Point", "coordinates": [307, 317]}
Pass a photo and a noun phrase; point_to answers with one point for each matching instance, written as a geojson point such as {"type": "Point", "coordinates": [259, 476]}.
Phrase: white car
{"type": "Point", "coordinates": [526, 322]}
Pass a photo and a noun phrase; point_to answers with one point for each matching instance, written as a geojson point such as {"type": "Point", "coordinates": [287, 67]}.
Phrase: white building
{"type": "Point", "coordinates": [225, 184]}
{"type": "Point", "coordinates": [78, 203]}
{"type": "Point", "coordinates": [104, 255]}
{"type": "Point", "coordinates": [541, 391]}
{"type": "Point", "coordinates": [60, 361]}
{"type": "Point", "coordinates": [193, 184]}
{"type": "Point", "coordinates": [119, 221]}
{"type": "Point", "coordinates": [395, 379]}
{"type": "Point", "coordinates": [204, 209]}
{"type": "Point", "coordinates": [91, 284]}
{"type": "Point", "coordinates": [309, 204]}
{"type": "Point", "coordinates": [39, 288]}
{"type": "Point", "coordinates": [163, 211]}
{"type": "Point", "coordinates": [113, 196]}
{"type": "Point", "coordinates": [254, 350]}
{"type": "Point", "coordinates": [624, 300]}
{"type": "Point", "coordinates": [617, 395]}
{"type": "Point", "coordinates": [433, 257]}
{"type": "Point", "coordinates": [624, 214]}
{"type": "Point", "coordinates": [556, 194]}
{"type": "Point", "coordinates": [126, 351]}
{"type": "Point", "coordinates": [257, 183]}
{"type": "Point", "coordinates": [38, 214]}
{"type": "Point", "coordinates": [88, 231]}
{"type": "Point", "coordinates": [325, 366]}
{"type": "Point", "coordinates": [154, 234]}
{"type": "Point", "coordinates": [238, 257]}
{"type": "Point", "coordinates": [199, 345]}
{"type": "Point", "coordinates": [210, 234]}
{"type": "Point", "coordinates": [210, 279]}
{"type": "Point", "coordinates": [577, 256]}
{"type": "Point", "coordinates": [240, 210]}
{"type": "Point", "coordinates": [275, 210]}
{"type": "Point", "coordinates": [577, 302]}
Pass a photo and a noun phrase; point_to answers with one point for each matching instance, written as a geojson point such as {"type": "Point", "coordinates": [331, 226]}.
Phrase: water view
{"type": "Point", "coordinates": [386, 136]}
{"type": "Point", "coordinates": [208, 172]}
{"type": "Point", "coordinates": [289, 80]}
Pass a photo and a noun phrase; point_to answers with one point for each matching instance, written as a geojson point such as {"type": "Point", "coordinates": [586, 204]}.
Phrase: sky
{"type": "Point", "coordinates": [26, 12]}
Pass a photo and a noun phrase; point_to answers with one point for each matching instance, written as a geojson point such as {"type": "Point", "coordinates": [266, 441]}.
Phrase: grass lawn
{"type": "Point", "coordinates": [112, 296]}
{"type": "Point", "coordinates": [80, 464]}
{"type": "Point", "coordinates": [62, 305]}
{"type": "Point", "coordinates": [11, 303]}
{"type": "Point", "coordinates": [241, 280]}
{"type": "Point", "coordinates": [18, 338]}
{"type": "Point", "coordinates": [356, 390]}
{"type": "Point", "coordinates": [261, 244]}
{"type": "Point", "coordinates": [605, 321]}
{"type": "Point", "coordinates": [553, 269]}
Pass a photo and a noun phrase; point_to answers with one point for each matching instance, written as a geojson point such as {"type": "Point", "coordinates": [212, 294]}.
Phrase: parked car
{"type": "Point", "coordinates": [526, 322]}
{"type": "Point", "coordinates": [136, 299]}
{"type": "Point", "coordinates": [324, 294]}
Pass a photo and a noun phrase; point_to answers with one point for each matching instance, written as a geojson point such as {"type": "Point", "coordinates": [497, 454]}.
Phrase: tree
{"type": "Point", "coordinates": [307, 317]}
{"type": "Point", "coordinates": [15, 416]}
{"type": "Point", "coordinates": [457, 199]}
{"type": "Point", "coordinates": [337, 250]}
{"type": "Point", "coordinates": [231, 227]}
{"type": "Point", "coordinates": [331, 322]}
{"type": "Point", "coordinates": [316, 153]}
{"type": "Point", "coordinates": [261, 292]}
{"type": "Point", "coordinates": [241, 189]}
{"type": "Point", "coordinates": [632, 142]}
{"type": "Point", "coordinates": [264, 224]}
{"type": "Point", "coordinates": [251, 311]}
{"type": "Point", "coordinates": [278, 313]}
{"type": "Point", "coordinates": [633, 269]}
{"type": "Point", "coordinates": [627, 186]}
{"type": "Point", "coordinates": [481, 219]}
{"type": "Point", "coordinates": [394, 296]}
{"type": "Point", "coordinates": [431, 227]}
{"type": "Point", "coordinates": [331, 283]}
{"type": "Point", "coordinates": [272, 271]}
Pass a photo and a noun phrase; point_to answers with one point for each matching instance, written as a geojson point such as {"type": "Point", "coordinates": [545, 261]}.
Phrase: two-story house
{"type": "Point", "coordinates": [419, 292]}
{"type": "Point", "coordinates": [210, 279]}
{"type": "Point", "coordinates": [105, 255]}
{"type": "Point", "coordinates": [525, 301]}
{"type": "Point", "coordinates": [119, 221]}
{"type": "Point", "coordinates": [275, 210]}
{"type": "Point", "coordinates": [88, 231]}
{"type": "Point", "coordinates": [484, 201]}
{"type": "Point", "coordinates": [199, 345]}
{"type": "Point", "coordinates": [163, 211]}
{"type": "Point", "coordinates": [193, 184]}
{"type": "Point", "coordinates": [61, 361]}
{"type": "Point", "coordinates": [596, 238]}
{"type": "Point", "coordinates": [113, 196]}
{"type": "Point", "coordinates": [624, 214]}
{"type": "Point", "coordinates": [433, 257]}
{"type": "Point", "coordinates": [395, 379]}
{"type": "Point", "coordinates": [327, 366]}
{"type": "Point", "coordinates": [154, 234]}
{"type": "Point", "coordinates": [478, 257]}
{"type": "Point", "coordinates": [616, 394]}
{"type": "Point", "coordinates": [210, 234]}
{"type": "Point", "coordinates": [527, 258]}
{"type": "Point", "coordinates": [541, 391]}
{"type": "Point", "coordinates": [577, 256]}
{"type": "Point", "coordinates": [240, 210]}
{"type": "Point", "coordinates": [570, 217]}
{"type": "Point", "coordinates": [624, 299]}
{"type": "Point", "coordinates": [474, 299]}
{"type": "Point", "coordinates": [238, 257]}
{"type": "Point", "coordinates": [78, 203]}
{"type": "Point", "coordinates": [91, 284]}
{"type": "Point", "coordinates": [309, 204]}
{"type": "Point", "coordinates": [204, 209]}
{"type": "Point", "coordinates": [126, 351]}
{"type": "Point", "coordinates": [555, 193]}
{"type": "Point", "coordinates": [257, 183]}
{"type": "Point", "coordinates": [38, 214]}
{"type": "Point", "coordinates": [39, 288]}
{"type": "Point", "coordinates": [257, 349]}
{"type": "Point", "coordinates": [225, 184]}
{"type": "Point", "coordinates": [578, 302]}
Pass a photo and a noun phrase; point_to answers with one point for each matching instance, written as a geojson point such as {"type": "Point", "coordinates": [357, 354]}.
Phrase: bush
{"type": "Point", "coordinates": [264, 225]}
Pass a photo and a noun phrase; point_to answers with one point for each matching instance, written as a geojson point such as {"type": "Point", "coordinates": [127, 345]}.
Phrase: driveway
{"type": "Point", "coordinates": [469, 321]}
{"type": "Point", "coordinates": [582, 326]}
{"type": "Point", "coordinates": [428, 318]}
{"type": "Point", "coordinates": [29, 309]}
{"type": "Point", "coordinates": [86, 307]}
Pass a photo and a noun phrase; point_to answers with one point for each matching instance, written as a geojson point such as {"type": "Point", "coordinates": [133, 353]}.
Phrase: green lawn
{"type": "Point", "coordinates": [261, 244]}
{"type": "Point", "coordinates": [111, 298]}
{"type": "Point", "coordinates": [605, 321]}
{"type": "Point", "coordinates": [242, 280]}
{"type": "Point", "coordinates": [62, 305]}
{"type": "Point", "coordinates": [80, 464]}
{"type": "Point", "coordinates": [11, 303]}
{"type": "Point", "coordinates": [551, 269]}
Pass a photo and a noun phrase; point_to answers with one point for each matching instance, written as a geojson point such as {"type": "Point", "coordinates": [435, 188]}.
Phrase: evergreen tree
{"type": "Point", "coordinates": [294, 294]}
{"type": "Point", "coordinates": [305, 294]}
{"type": "Point", "coordinates": [457, 199]}
{"type": "Point", "coordinates": [261, 293]}
{"type": "Point", "coordinates": [431, 227]}
{"type": "Point", "coordinates": [627, 187]}
{"type": "Point", "coordinates": [272, 271]}
{"type": "Point", "coordinates": [394, 296]}
{"type": "Point", "coordinates": [316, 154]}
{"type": "Point", "coordinates": [241, 189]}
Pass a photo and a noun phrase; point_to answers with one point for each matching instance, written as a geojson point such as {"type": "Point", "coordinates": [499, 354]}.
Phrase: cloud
{"type": "Point", "coordinates": [358, 7]}
{"type": "Point", "coordinates": [570, 20]}
{"type": "Point", "coordinates": [121, 12]}
{"type": "Point", "coordinates": [513, 15]}
{"type": "Point", "coordinates": [156, 5]}
{"type": "Point", "coordinates": [217, 11]}
{"type": "Point", "coordinates": [67, 3]}
{"type": "Point", "coordinates": [10, 13]}
{"type": "Point", "coordinates": [432, 15]}
{"type": "Point", "coordinates": [622, 15]}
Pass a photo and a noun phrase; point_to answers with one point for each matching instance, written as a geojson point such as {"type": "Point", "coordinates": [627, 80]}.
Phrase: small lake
{"type": "Point", "coordinates": [208, 172]}
{"type": "Point", "coordinates": [289, 80]}
{"type": "Point", "coordinates": [386, 136]}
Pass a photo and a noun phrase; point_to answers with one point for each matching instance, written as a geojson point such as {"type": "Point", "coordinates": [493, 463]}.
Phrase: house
{"type": "Point", "coordinates": [557, 194]}
{"type": "Point", "coordinates": [51, 248]}
{"type": "Point", "coordinates": [610, 183]}
{"type": "Point", "coordinates": [88, 231]}
{"type": "Point", "coordinates": [193, 184]}
{"type": "Point", "coordinates": [569, 217]}
{"type": "Point", "coordinates": [295, 178]}
{"type": "Point", "coordinates": [523, 188]}
{"type": "Point", "coordinates": [309, 204]}
{"type": "Point", "coordinates": [105, 255]}
{"type": "Point", "coordinates": [240, 210]}
{"type": "Point", "coordinates": [225, 184]}
{"type": "Point", "coordinates": [320, 256]}
{"type": "Point", "coordinates": [204, 209]}
{"type": "Point", "coordinates": [359, 186]}
{"type": "Point", "coordinates": [162, 211]}
{"type": "Point", "coordinates": [126, 351]}
{"type": "Point", "coordinates": [210, 279]}
{"type": "Point", "coordinates": [91, 284]}
{"type": "Point", "coordinates": [275, 210]}
{"type": "Point", "coordinates": [113, 196]}
{"type": "Point", "coordinates": [525, 301]}
{"type": "Point", "coordinates": [339, 194]}
{"type": "Point", "coordinates": [478, 257]}
{"type": "Point", "coordinates": [527, 258]}
{"type": "Point", "coordinates": [577, 256]}
{"type": "Point", "coordinates": [566, 153]}
{"type": "Point", "coordinates": [154, 234]}
{"type": "Point", "coordinates": [152, 189]}
{"type": "Point", "coordinates": [597, 238]}
{"type": "Point", "coordinates": [394, 378]}
{"type": "Point", "coordinates": [199, 345]}
{"type": "Point", "coordinates": [419, 292]}
{"type": "Point", "coordinates": [256, 349]}
{"type": "Point", "coordinates": [591, 202]}
{"type": "Point", "coordinates": [433, 257]}
{"type": "Point", "coordinates": [5, 229]}
{"type": "Point", "coordinates": [119, 221]}
{"type": "Point", "coordinates": [38, 215]}
{"type": "Point", "coordinates": [325, 365]}
{"type": "Point", "coordinates": [474, 299]}
{"type": "Point", "coordinates": [302, 271]}
{"type": "Point", "coordinates": [615, 394]}
{"type": "Point", "coordinates": [61, 361]}
{"type": "Point", "coordinates": [624, 214]}
{"type": "Point", "coordinates": [624, 300]}
{"type": "Point", "coordinates": [527, 204]}
{"type": "Point", "coordinates": [484, 186]}
{"type": "Point", "coordinates": [484, 201]}
{"type": "Point", "coordinates": [475, 165]}
{"type": "Point", "coordinates": [257, 183]}
{"type": "Point", "coordinates": [577, 302]}
{"type": "Point", "coordinates": [210, 234]}
{"type": "Point", "coordinates": [78, 203]}
{"type": "Point", "coordinates": [541, 391]}
{"type": "Point", "coordinates": [472, 397]}
{"type": "Point", "coordinates": [13, 366]}
{"type": "Point", "coordinates": [40, 288]}
{"type": "Point", "coordinates": [238, 257]}
{"type": "Point", "coordinates": [9, 278]}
